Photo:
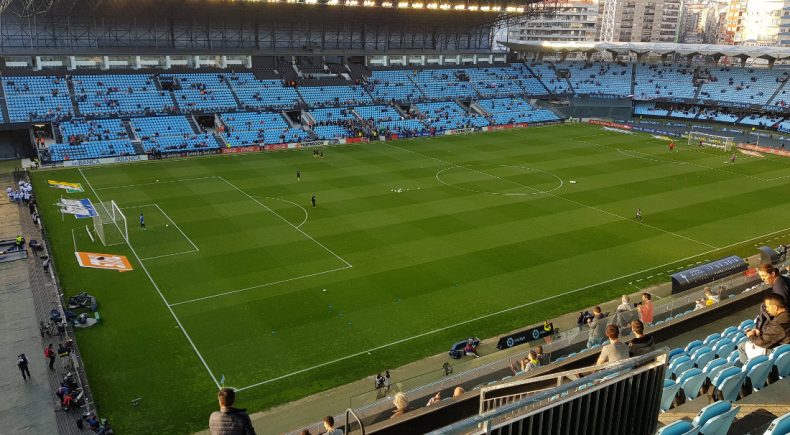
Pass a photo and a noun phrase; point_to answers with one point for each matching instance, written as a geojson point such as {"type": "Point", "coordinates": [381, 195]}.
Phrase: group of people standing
{"type": "Point", "coordinates": [22, 194]}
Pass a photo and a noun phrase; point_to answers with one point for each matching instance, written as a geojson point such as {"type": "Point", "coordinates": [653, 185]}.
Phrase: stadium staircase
{"type": "Point", "coordinates": [73, 100]}
{"type": "Point", "coordinates": [548, 92]}
{"type": "Point", "coordinates": [778, 90]}
{"type": "Point", "coordinates": [194, 124]}
{"type": "Point", "coordinates": [239, 104]}
{"type": "Point", "coordinates": [220, 141]}
{"type": "Point", "coordinates": [175, 100]}
{"type": "Point", "coordinates": [633, 79]}
{"type": "Point", "coordinates": [129, 130]}
{"type": "Point", "coordinates": [416, 85]}
{"type": "Point", "coordinates": [697, 92]}
{"type": "Point", "coordinates": [138, 146]}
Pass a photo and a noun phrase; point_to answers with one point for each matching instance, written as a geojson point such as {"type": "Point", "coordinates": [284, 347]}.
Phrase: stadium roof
{"type": "Point", "coordinates": [650, 47]}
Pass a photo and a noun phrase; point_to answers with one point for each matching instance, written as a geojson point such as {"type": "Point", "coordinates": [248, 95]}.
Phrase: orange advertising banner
{"type": "Point", "coordinates": [104, 261]}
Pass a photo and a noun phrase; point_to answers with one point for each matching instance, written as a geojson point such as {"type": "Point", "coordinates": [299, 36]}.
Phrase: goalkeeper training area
{"type": "Point", "coordinates": [412, 246]}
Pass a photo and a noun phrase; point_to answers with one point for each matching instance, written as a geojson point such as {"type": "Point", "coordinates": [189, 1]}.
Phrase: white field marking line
{"type": "Point", "coordinates": [286, 221]}
{"type": "Point", "coordinates": [485, 316]}
{"type": "Point", "coordinates": [195, 248]}
{"type": "Point", "coordinates": [537, 191]}
{"type": "Point", "coordinates": [156, 182]}
{"type": "Point", "coordinates": [168, 255]}
{"type": "Point", "coordinates": [159, 291]}
{"type": "Point", "coordinates": [600, 210]}
{"type": "Point", "coordinates": [177, 227]}
{"type": "Point", "coordinates": [290, 202]}
{"type": "Point", "coordinates": [259, 286]}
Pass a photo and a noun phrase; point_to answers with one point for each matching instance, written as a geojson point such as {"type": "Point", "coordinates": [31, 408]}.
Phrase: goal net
{"type": "Point", "coordinates": [110, 224]}
{"type": "Point", "coordinates": [711, 140]}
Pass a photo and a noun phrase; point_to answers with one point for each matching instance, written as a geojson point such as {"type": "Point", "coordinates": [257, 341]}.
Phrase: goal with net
{"type": "Point", "coordinates": [110, 224]}
{"type": "Point", "coordinates": [711, 140]}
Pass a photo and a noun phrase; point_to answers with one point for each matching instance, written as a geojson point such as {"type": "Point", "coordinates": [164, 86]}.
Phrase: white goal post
{"type": "Point", "coordinates": [711, 140]}
{"type": "Point", "coordinates": [110, 224]}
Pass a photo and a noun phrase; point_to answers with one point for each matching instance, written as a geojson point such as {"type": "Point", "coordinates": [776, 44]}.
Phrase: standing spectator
{"type": "Point", "coordinates": [616, 350]}
{"type": "Point", "coordinates": [780, 285]}
{"type": "Point", "coordinates": [646, 309]}
{"type": "Point", "coordinates": [774, 331]}
{"type": "Point", "coordinates": [50, 354]}
{"type": "Point", "coordinates": [436, 398]}
{"type": "Point", "coordinates": [642, 343]}
{"type": "Point", "coordinates": [625, 304]}
{"type": "Point", "coordinates": [22, 363]}
{"type": "Point", "coordinates": [597, 328]}
{"type": "Point", "coordinates": [387, 380]}
{"type": "Point", "coordinates": [329, 425]}
{"type": "Point", "coordinates": [401, 403]}
{"type": "Point", "coordinates": [229, 420]}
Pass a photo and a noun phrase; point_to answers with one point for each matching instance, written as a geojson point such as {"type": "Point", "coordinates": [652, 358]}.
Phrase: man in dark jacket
{"type": "Point", "coordinates": [780, 285]}
{"type": "Point", "coordinates": [229, 420]}
{"type": "Point", "coordinates": [642, 343]}
{"type": "Point", "coordinates": [774, 332]}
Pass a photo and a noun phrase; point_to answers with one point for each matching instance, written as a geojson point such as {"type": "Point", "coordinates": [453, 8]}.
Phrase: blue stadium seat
{"type": "Point", "coordinates": [691, 381]}
{"type": "Point", "coordinates": [669, 393]}
{"type": "Point", "coordinates": [728, 383]}
{"type": "Point", "coordinates": [702, 355]}
{"type": "Point", "coordinates": [674, 352]}
{"type": "Point", "coordinates": [728, 330]}
{"type": "Point", "coordinates": [681, 365]}
{"type": "Point", "coordinates": [693, 345]}
{"type": "Point", "coordinates": [749, 323]}
{"type": "Point", "coordinates": [780, 426]}
{"type": "Point", "coordinates": [724, 347]}
{"type": "Point", "coordinates": [782, 365]}
{"type": "Point", "coordinates": [714, 367]}
{"type": "Point", "coordinates": [679, 427]}
{"type": "Point", "coordinates": [711, 338]}
{"type": "Point", "coordinates": [757, 370]}
{"type": "Point", "coordinates": [716, 418]}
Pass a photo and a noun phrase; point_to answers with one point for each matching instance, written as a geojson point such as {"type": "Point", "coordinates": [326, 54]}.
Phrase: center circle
{"type": "Point", "coordinates": [505, 180]}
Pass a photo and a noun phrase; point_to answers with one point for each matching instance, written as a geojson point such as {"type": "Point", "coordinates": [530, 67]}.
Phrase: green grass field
{"type": "Point", "coordinates": [413, 245]}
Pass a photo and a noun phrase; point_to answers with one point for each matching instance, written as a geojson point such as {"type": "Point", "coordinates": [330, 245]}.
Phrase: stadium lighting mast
{"type": "Point", "coordinates": [607, 24]}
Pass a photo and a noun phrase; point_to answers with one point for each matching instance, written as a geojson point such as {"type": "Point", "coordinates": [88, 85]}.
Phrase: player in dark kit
{"type": "Point", "coordinates": [734, 156]}
{"type": "Point", "coordinates": [142, 222]}
{"type": "Point", "coordinates": [313, 200]}
{"type": "Point", "coordinates": [639, 214]}
{"type": "Point", "coordinates": [298, 175]}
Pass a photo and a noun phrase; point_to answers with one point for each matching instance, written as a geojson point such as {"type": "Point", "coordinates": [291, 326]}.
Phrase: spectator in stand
{"type": "Point", "coordinates": [229, 420]}
{"type": "Point", "coordinates": [642, 343]}
{"type": "Point", "coordinates": [625, 303]}
{"type": "Point", "coordinates": [329, 426]}
{"type": "Point", "coordinates": [780, 286]}
{"type": "Point", "coordinates": [597, 328]}
{"type": "Point", "coordinates": [401, 403]}
{"type": "Point", "coordinates": [544, 358]}
{"type": "Point", "coordinates": [774, 331]}
{"type": "Point", "coordinates": [646, 309]}
{"type": "Point", "coordinates": [436, 398]}
{"type": "Point", "coordinates": [616, 350]}
{"type": "Point", "coordinates": [470, 349]}
{"type": "Point", "coordinates": [458, 391]}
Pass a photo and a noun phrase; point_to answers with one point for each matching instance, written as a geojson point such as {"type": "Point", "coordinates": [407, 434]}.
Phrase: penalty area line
{"type": "Point", "coordinates": [485, 316]}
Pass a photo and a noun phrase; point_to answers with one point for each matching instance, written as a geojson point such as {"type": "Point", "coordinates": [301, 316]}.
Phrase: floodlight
{"type": "Point", "coordinates": [416, 5]}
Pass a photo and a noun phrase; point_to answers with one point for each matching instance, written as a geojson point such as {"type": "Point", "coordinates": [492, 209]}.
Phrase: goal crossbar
{"type": "Point", "coordinates": [711, 140]}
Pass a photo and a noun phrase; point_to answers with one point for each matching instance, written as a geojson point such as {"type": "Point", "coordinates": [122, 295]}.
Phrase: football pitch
{"type": "Point", "coordinates": [411, 246]}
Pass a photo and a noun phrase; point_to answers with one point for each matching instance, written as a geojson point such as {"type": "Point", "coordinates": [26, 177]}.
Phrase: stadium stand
{"type": "Point", "coordinates": [663, 81]}
{"type": "Point", "coordinates": [649, 109]}
{"type": "Point", "coordinates": [77, 131]}
{"type": "Point", "coordinates": [145, 128]}
{"type": "Point", "coordinates": [334, 96]}
{"type": "Point", "coordinates": [515, 110]}
{"type": "Point", "coordinates": [333, 123]}
{"type": "Point", "coordinates": [257, 94]}
{"type": "Point", "coordinates": [445, 84]}
{"type": "Point", "coordinates": [202, 92]}
{"type": "Point", "coordinates": [599, 78]}
{"type": "Point", "coordinates": [37, 98]}
{"type": "Point", "coordinates": [188, 142]}
{"type": "Point", "coordinates": [548, 75]}
{"type": "Point", "coordinates": [447, 116]}
{"type": "Point", "coordinates": [393, 85]}
{"type": "Point", "coordinates": [91, 150]}
{"type": "Point", "coordinates": [739, 84]}
{"type": "Point", "coordinates": [118, 95]}
{"type": "Point", "coordinates": [259, 128]}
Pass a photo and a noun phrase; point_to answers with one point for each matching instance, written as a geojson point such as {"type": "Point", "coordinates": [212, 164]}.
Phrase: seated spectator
{"type": "Point", "coordinates": [642, 343]}
{"type": "Point", "coordinates": [774, 331]}
{"type": "Point", "coordinates": [435, 399]}
{"type": "Point", "coordinates": [625, 303]}
{"type": "Point", "coordinates": [597, 328]}
{"type": "Point", "coordinates": [401, 403]}
{"type": "Point", "coordinates": [471, 349]}
{"type": "Point", "coordinates": [544, 358]}
{"type": "Point", "coordinates": [229, 420]}
{"type": "Point", "coordinates": [458, 391]}
{"type": "Point", "coordinates": [646, 309]}
{"type": "Point", "coordinates": [780, 286]}
{"type": "Point", "coordinates": [329, 426]}
{"type": "Point", "coordinates": [616, 350]}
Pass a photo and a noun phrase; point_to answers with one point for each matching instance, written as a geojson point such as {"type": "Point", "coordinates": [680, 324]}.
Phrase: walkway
{"type": "Point", "coordinates": [25, 407]}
